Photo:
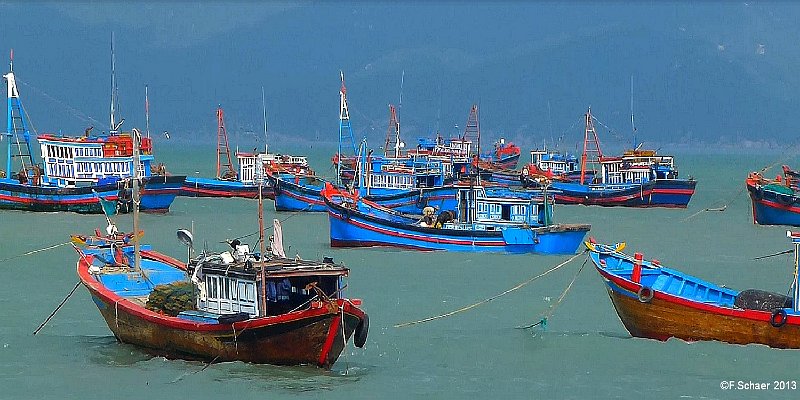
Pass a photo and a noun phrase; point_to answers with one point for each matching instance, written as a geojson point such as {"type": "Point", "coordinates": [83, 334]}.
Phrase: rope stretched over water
{"type": "Point", "coordinates": [543, 320]}
{"type": "Point", "coordinates": [518, 286]}
{"type": "Point", "coordinates": [57, 308]}
{"type": "Point", "coordinates": [791, 151]}
{"type": "Point", "coordinates": [35, 251]}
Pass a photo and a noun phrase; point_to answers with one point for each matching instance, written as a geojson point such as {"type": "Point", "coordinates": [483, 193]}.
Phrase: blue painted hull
{"type": "Point", "coordinates": [354, 228]}
{"type": "Point", "coordinates": [773, 208]}
{"type": "Point", "coordinates": [674, 193]}
{"type": "Point", "coordinates": [297, 193]}
{"type": "Point", "coordinates": [159, 192]}
{"type": "Point", "coordinates": [85, 200]}
{"type": "Point", "coordinates": [204, 187]}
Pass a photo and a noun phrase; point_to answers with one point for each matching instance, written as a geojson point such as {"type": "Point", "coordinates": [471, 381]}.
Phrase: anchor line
{"type": "Point", "coordinates": [552, 309]}
{"type": "Point", "coordinates": [471, 306]}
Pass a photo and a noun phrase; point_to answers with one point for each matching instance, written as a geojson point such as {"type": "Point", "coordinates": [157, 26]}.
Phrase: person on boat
{"type": "Point", "coordinates": [22, 176]}
{"type": "Point", "coordinates": [443, 218]}
{"type": "Point", "coordinates": [37, 175]}
{"type": "Point", "coordinates": [427, 220]}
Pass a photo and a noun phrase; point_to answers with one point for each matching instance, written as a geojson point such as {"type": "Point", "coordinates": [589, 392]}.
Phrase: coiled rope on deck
{"type": "Point", "coordinates": [469, 307]}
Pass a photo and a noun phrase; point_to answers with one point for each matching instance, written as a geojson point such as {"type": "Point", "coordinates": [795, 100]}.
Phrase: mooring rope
{"type": "Point", "coordinates": [35, 251]}
{"type": "Point", "coordinates": [53, 314]}
{"type": "Point", "coordinates": [543, 320]}
{"type": "Point", "coordinates": [518, 286]}
{"type": "Point", "coordinates": [740, 191]}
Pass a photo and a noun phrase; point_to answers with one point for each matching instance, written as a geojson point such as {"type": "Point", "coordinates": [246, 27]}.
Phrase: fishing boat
{"type": "Point", "coordinates": [297, 192]}
{"type": "Point", "coordinates": [638, 178]}
{"type": "Point", "coordinates": [775, 201]}
{"type": "Point", "coordinates": [657, 302]}
{"type": "Point", "coordinates": [234, 305]}
{"type": "Point", "coordinates": [554, 165]}
{"type": "Point", "coordinates": [31, 187]}
{"type": "Point", "coordinates": [226, 183]}
{"type": "Point", "coordinates": [479, 223]}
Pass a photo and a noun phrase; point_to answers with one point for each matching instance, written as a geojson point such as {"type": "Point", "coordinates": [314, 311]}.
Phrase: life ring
{"type": "Point", "coordinates": [362, 330]}
{"type": "Point", "coordinates": [645, 294]}
{"type": "Point", "coordinates": [778, 318]}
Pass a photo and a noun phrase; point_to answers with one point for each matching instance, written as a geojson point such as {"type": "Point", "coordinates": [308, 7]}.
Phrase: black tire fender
{"type": "Point", "coordinates": [645, 294]}
{"type": "Point", "coordinates": [778, 318]}
{"type": "Point", "coordinates": [362, 330]}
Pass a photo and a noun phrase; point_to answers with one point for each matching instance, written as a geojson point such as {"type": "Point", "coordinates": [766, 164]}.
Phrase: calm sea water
{"type": "Point", "coordinates": [584, 352]}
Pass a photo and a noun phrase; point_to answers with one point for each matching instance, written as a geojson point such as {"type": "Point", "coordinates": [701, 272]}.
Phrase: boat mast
{"type": "Point", "coordinates": [473, 131]}
{"type": "Point", "coordinates": [113, 126]}
{"type": "Point", "coordinates": [13, 129]}
{"type": "Point", "coordinates": [264, 107]}
{"type": "Point", "coordinates": [222, 146]}
{"type": "Point", "coordinates": [633, 125]}
{"type": "Point", "coordinates": [146, 112]}
{"type": "Point", "coordinates": [795, 236]}
{"type": "Point", "coordinates": [591, 144]}
{"type": "Point", "coordinates": [345, 129]}
{"type": "Point", "coordinates": [137, 256]}
{"type": "Point", "coordinates": [262, 248]}
{"type": "Point", "coordinates": [392, 134]}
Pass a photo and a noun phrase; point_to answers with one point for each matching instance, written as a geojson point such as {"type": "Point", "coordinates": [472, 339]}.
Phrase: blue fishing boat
{"type": "Point", "coordinates": [639, 178]}
{"type": "Point", "coordinates": [31, 187]}
{"type": "Point", "coordinates": [657, 302]}
{"type": "Point", "coordinates": [297, 192]}
{"type": "Point", "coordinates": [554, 165]}
{"type": "Point", "coordinates": [478, 223]}
{"type": "Point", "coordinates": [775, 201]}
{"type": "Point", "coordinates": [227, 182]}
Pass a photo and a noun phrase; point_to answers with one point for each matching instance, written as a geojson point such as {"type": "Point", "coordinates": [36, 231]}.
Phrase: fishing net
{"type": "Point", "coordinates": [172, 298]}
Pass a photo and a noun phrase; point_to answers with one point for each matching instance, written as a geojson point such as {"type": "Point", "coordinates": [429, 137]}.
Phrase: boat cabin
{"type": "Point", "coordinates": [637, 166]}
{"type": "Point", "coordinates": [475, 207]}
{"type": "Point", "coordinates": [557, 163]}
{"type": "Point", "coordinates": [249, 173]}
{"type": "Point", "coordinates": [73, 162]}
{"type": "Point", "coordinates": [233, 283]}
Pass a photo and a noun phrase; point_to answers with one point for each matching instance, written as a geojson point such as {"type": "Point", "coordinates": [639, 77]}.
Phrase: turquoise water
{"type": "Point", "coordinates": [584, 352]}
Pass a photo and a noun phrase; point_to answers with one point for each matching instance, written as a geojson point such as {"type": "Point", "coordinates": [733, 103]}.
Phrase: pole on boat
{"type": "Point", "coordinates": [264, 106]}
{"type": "Point", "coordinates": [795, 236]}
{"type": "Point", "coordinates": [137, 256]}
{"type": "Point", "coordinates": [262, 249]}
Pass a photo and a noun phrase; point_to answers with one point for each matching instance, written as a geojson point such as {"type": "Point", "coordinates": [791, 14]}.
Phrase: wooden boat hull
{"type": "Point", "coordinates": [692, 316]}
{"type": "Point", "coordinates": [203, 187]}
{"type": "Point", "coordinates": [771, 207]}
{"type": "Point", "coordinates": [670, 193]}
{"type": "Point", "coordinates": [314, 336]}
{"type": "Point", "coordinates": [85, 200]}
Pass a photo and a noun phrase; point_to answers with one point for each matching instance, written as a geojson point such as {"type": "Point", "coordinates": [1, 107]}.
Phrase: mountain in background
{"type": "Point", "coordinates": [711, 76]}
